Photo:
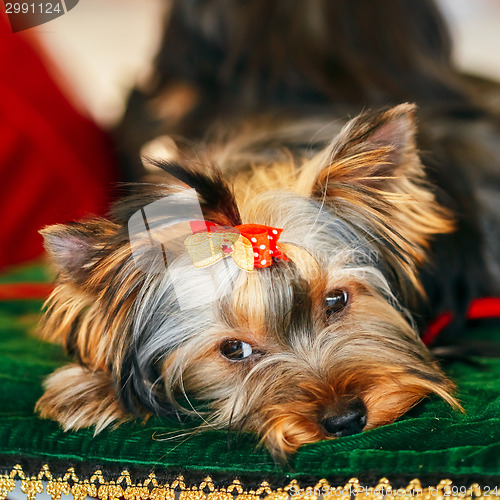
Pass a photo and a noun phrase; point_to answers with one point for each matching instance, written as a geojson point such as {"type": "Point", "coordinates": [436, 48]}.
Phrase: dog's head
{"type": "Point", "coordinates": [319, 344]}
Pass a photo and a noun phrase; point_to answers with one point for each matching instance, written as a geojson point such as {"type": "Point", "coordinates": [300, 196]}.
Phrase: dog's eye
{"type": "Point", "coordinates": [335, 302]}
{"type": "Point", "coordinates": [235, 350]}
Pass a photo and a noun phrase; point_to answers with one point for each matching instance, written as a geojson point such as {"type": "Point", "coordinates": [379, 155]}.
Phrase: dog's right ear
{"type": "Point", "coordinates": [74, 247]}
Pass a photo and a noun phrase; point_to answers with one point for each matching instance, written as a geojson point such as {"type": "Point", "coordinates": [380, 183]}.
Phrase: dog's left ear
{"type": "Point", "coordinates": [374, 150]}
{"type": "Point", "coordinates": [372, 176]}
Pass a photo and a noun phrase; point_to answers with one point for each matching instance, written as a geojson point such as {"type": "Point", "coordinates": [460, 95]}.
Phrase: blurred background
{"type": "Point", "coordinates": [104, 47]}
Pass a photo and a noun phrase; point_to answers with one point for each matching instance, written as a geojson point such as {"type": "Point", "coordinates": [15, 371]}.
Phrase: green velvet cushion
{"type": "Point", "coordinates": [432, 441]}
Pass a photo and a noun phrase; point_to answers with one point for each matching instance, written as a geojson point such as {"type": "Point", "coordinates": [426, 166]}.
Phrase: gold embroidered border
{"type": "Point", "coordinates": [150, 489]}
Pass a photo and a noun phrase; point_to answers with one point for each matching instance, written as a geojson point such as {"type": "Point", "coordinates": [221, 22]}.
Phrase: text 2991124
{"type": "Point", "coordinates": [25, 15]}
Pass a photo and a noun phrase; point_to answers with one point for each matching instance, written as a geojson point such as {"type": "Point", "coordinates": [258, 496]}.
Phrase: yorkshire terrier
{"type": "Point", "coordinates": [286, 297]}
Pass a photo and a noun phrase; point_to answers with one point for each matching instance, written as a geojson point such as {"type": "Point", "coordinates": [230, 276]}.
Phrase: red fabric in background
{"type": "Point", "coordinates": [55, 164]}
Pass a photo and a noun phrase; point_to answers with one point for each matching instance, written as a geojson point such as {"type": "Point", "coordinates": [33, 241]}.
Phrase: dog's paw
{"type": "Point", "coordinates": [77, 397]}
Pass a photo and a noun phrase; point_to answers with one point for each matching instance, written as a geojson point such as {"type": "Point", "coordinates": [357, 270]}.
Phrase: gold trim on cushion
{"type": "Point", "coordinates": [97, 487]}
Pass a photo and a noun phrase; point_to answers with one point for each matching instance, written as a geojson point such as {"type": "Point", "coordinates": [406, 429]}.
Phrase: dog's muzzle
{"type": "Point", "coordinates": [348, 418]}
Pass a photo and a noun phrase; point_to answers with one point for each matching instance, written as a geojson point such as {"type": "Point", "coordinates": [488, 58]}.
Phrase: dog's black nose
{"type": "Point", "coordinates": [349, 418]}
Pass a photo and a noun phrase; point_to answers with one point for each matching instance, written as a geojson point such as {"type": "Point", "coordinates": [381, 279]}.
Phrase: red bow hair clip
{"type": "Point", "coordinates": [250, 245]}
